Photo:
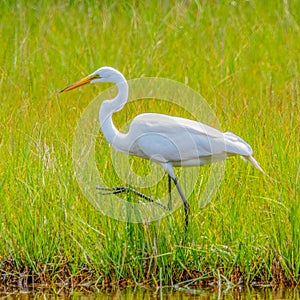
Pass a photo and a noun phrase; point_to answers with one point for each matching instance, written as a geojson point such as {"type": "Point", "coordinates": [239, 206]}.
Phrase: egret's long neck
{"type": "Point", "coordinates": [108, 107]}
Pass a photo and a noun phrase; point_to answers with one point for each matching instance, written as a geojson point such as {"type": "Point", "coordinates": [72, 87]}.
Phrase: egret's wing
{"type": "Point", "coordinates": [172, 139]}
{"type": "Point", "coordinates": [213, 141]}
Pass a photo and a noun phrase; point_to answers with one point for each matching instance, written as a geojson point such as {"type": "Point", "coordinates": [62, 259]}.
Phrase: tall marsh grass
{"type": "Point", "coordinates": [242, 56]}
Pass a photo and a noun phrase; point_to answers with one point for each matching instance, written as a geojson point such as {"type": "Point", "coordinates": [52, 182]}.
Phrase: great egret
{"type": "Point", "coordinates": [169, 141]}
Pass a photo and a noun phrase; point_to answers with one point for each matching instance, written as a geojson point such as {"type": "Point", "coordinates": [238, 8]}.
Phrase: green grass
{"type": "Point", "coordinates": [242, 56]}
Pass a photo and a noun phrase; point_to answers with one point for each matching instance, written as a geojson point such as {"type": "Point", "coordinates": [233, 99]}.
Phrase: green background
{"type": "Point", "coordinates": [242, 56]}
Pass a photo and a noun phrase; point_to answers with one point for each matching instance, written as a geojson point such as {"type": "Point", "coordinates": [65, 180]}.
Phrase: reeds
{"type": "Point", "coordinates": [242, 56]}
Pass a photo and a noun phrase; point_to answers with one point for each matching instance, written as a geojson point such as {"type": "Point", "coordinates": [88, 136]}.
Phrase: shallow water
{"type": "Point", "coordinates": [236, 293]}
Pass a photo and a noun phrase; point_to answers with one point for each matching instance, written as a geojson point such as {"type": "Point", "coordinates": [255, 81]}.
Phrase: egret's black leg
{"type": "Point", "coordinates": [123, 189]}
{"type": "Point", "coordinates": [185, 203]}
{"type": "Point", "coordinates": [170, 195]}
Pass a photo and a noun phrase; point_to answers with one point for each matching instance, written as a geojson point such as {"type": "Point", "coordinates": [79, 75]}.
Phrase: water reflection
{"type": "Point", "coordinates": [182, 294]}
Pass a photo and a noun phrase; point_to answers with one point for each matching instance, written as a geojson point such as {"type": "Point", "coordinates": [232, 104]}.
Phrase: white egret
{"type": "Point", "coordinates": [169, 141]}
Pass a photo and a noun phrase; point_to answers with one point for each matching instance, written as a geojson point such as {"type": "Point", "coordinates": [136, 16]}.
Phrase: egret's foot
{"type": "Point", "coordinates": [123, 189]}
{"type": "Point", "coordinates": [114, 190]}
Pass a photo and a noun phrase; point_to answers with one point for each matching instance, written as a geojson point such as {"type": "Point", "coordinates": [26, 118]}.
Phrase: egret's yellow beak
{"type": "Point", "coordinates": [79, 83]}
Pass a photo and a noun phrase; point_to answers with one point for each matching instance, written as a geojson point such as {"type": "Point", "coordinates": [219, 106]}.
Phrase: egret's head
{"type": "Point", "coordinates": [104, 74]}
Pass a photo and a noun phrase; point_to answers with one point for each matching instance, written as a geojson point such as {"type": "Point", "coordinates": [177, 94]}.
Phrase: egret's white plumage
{"type": "Point", "coordinates": [167, 140]}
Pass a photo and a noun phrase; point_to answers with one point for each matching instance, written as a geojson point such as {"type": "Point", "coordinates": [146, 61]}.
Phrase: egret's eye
{"type": "Point", "coordinates": [96, 76]}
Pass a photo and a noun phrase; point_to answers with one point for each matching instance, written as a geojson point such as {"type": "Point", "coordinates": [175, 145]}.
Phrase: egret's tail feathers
{"type": "Point", "coordinates": [253, 161]}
